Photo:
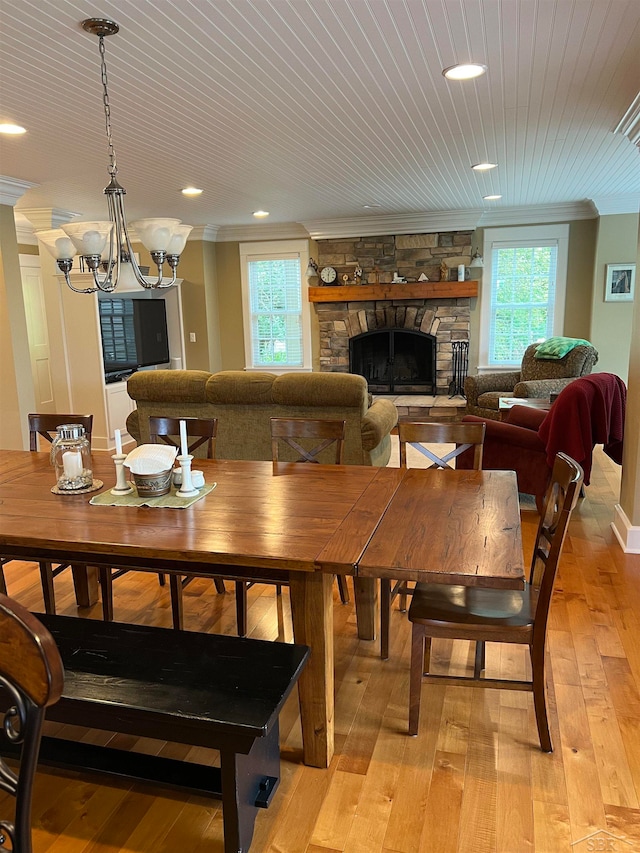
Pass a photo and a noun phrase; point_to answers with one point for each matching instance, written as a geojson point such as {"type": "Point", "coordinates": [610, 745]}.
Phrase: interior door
{"type": "Point", "coordinates": [37, 332]}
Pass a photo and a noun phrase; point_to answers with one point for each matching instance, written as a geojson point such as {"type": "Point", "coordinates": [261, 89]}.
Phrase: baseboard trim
{"type": "Point", "coordinates": [626, 533]}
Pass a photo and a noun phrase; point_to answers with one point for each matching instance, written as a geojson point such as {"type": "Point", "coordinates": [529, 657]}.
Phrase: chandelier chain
{"type": "Point", "coordinates": [113, 165]}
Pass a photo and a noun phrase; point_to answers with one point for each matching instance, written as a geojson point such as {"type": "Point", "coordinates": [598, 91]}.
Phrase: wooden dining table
{"type": "Point", "coordinates": [288, 522]}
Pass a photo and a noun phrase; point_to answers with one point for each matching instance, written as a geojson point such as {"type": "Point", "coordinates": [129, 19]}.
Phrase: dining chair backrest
{"type": "Point", "coordinates": [419, 433]}
{"type": "Point", "coordinates": [203, 431]}
{"type": "Point", "coordinates": [560, 501]}
{"type": "Point", "coordinates": [46, 425]}
{"type": "Point", "coordinates": [32, 677]}
{"type": "Point", "coordinates": [290, 431]}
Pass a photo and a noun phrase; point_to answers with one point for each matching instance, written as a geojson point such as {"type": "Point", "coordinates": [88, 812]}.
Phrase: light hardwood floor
{"type": "Point", "coordinates": [474, 779]}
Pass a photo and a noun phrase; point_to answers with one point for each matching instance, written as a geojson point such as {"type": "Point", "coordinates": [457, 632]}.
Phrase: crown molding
{"type": "Point", "coordinates": [537, 214]}
{"type": "Point", "coordinates": [204, 233]}
{"type": "Point", "coordinates": [43, 218]}
{"type": "Point", "coordinates": [398, 223]}
{"type": "Point", "coordinates": [12, 190]}
{"type": "Point", "coordinates": [629, 124]}
{"type": "Point", "coordinates": [617, 204]}
{"type": "Point", "coordinates": [276, 231]}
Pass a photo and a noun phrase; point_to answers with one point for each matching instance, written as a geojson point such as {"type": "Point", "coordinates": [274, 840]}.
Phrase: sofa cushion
{"type": "Point", "coordinates": [169, 386]}
{"type": "Point", "coordinates": [325, 390]}
{"type": "Point", "coordinates": [232, 387]}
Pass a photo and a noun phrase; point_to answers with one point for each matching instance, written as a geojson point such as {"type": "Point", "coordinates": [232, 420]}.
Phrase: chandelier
{"type": "Point", "coordinates": [105, 247]}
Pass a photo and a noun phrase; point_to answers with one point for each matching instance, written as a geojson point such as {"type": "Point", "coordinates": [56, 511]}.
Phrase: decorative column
{"type": "Point", "coordinates": [16, 384]}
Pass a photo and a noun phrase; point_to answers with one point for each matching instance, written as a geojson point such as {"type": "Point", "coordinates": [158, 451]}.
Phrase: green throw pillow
{"type": "Point", "coordinates": [558, 347]}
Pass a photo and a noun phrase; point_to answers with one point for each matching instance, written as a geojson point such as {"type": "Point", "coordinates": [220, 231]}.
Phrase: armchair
{"type": "Point", "coordinates": [590, 411]}
{"type": "Point", "coordinates": [536, 378]}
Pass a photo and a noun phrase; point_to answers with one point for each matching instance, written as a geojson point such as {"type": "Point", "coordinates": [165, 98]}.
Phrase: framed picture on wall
{"type": "Point", "coordinates": [620, 283]}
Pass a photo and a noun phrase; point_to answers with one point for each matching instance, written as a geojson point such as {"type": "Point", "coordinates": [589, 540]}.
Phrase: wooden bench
{"type": "Point", "coordinates": [199, 689]}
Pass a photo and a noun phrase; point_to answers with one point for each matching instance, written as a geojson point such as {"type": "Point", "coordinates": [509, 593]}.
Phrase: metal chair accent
{"type": "Point", "coordinates": [498, 615]}
{"type": "Point", "coordinates": [31, 677]}
{"type": "Point", "coordinates": [417, 434]}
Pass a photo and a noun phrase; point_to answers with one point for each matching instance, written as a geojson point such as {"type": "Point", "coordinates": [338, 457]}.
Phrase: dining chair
{"type": "Point", "coordinates": [201, 432]}
{"type": "Point", "coordinates": [422, 436]}
{"type": "Point", "coordinates": [498, 615]}
{"type": "Point", "coordinates": [32, 678]}
{"type": "Point", "coordinates": [45, 426]}
{"type": "Point", "coordinates": [299, 440]}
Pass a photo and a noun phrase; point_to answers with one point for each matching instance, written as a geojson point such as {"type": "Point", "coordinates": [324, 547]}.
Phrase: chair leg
{"type": "Point", "coordinates": [3, 583]}
{"type": "Point", "coordinates": [105, 578]}
{"type": "Point", "coordinates": [540, 702]}
{"type": "Point", "coordinates": [343, 588]}
{"type": "Point", "coordinates": [402, 592]}
{"type": "Point", "coordinates": [385, 613]}
{"type": "Point", "coordinates": [46, 577]}
{"type": "Point", "coordinates": [415, 676]}
{"type": "Point", "coordinates": [220, 587]}
{"type": "Point", "coordinates": [175, 584]}
{"type": "Point", "coordinates": [479, 662]}
{"type": "Point", "coordinates": [161, 579]}
{"type": "Point", "coordinates": [241, 607]}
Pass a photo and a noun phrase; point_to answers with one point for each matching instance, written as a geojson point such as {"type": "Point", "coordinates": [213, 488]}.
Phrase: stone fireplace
{"type": "Point", "coordinates": [438, 308]}
{"type": "Point", "coordinates": [444, 319]}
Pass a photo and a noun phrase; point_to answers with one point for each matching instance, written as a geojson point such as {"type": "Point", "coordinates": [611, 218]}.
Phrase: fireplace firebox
{"type": "Point", "coordinates": [395, 361]}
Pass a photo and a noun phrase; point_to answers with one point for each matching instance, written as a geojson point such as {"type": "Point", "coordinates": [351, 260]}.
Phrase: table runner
{"type": "Point", "coordinates": [133, 499]}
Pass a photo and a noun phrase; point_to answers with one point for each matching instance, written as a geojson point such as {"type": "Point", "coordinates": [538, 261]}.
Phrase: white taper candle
{"type": "Point", "coordinates": [118, 438]}
{"type": "Point", "coordinates": [184, 447]}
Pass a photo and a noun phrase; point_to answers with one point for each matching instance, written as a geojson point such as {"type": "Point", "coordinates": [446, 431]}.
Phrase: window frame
{"type": "Point", "coordinates": [276, 250]}
{"type": "Point", "coordinates": [525, 236]}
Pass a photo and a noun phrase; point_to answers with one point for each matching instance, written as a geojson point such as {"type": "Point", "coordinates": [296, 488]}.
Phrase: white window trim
{"type": "Point", "coordinates": [559, 233]}
{"type": "Point", "coordinates": [276, 249]}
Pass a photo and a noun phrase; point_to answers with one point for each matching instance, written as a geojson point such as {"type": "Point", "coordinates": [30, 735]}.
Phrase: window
{"type": "Point", "coordinates": [275, 306]}
{"type": "Point", "coordinates": [523, 292]}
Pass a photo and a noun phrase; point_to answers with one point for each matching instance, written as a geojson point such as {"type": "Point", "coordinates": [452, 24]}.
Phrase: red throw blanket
{"type": "Point", "coordinates": [589, 411]}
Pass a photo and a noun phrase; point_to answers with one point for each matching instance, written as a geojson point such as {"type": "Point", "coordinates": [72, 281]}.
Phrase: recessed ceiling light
{"type": "Point", "coordinates": [260, 214]}
{"type": "Point", "coordinates": [12, 129]}
{"type": "Point", "coordinates": [491, 197]}
{"type": "Point", "coordinates": [465, 71]}
{"type": "Point", "coordinates": [191, 191]}
{"type": "Point", "coordinates": [369, 206]}
{"type": "Point", "coordinates": [484, 167]}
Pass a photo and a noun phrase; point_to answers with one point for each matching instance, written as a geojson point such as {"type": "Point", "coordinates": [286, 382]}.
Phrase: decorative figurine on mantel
{"type": "Point", "coordinates": [375, 272]}
{"type": "Point", "coordinates": [357, 274]}
{"type": "Point", "coordinates": [444, 272]}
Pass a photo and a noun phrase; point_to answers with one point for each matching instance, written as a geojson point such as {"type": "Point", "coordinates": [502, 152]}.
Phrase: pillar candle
{"type": "Point", "coordinates": [72, 463]}
{"type": "Point", "coordinates": [184, 447]}
{"type": "Point", "coordinates": [461, 272]}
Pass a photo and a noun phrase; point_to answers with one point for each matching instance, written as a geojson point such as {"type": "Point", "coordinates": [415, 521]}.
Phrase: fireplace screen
{"type": "Point", "coordinates": [395, 361]}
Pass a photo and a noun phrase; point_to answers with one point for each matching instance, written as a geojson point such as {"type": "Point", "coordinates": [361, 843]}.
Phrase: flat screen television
{"type": "Point", "coordinates": [134, 334]}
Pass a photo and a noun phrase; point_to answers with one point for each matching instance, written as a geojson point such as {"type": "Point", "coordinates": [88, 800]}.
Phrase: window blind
{"type": "Point", "coordinates": [275, 297]}
{"type": "Point", "coordinates": [523, 291]}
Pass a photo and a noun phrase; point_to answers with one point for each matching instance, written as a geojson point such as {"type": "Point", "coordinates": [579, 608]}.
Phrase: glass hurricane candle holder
{"type": "Point", "coordinates": [71, 458]}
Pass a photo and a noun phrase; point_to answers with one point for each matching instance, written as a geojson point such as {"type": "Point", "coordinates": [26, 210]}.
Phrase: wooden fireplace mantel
{"type": "Point", "coordinates": [405, 290]}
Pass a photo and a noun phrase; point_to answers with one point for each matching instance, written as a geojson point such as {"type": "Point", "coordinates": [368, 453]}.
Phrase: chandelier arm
{"type": "Point", "coordinates": [67, 278]}
{"type": "Point", "coordinates": [121, 218]}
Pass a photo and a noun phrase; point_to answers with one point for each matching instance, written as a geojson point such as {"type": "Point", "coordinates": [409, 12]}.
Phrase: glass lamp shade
{"type": "Point", "coordinates": [89, 238]}
{"type": "Point", "coordinates": [179, 239]}
{"type": "Point", "coordinates": [57, 242]}
{"type": "Point", "coordinates": [155, 234]}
